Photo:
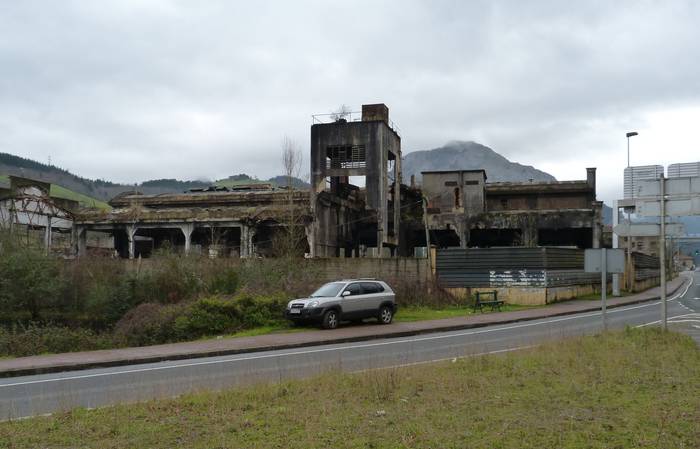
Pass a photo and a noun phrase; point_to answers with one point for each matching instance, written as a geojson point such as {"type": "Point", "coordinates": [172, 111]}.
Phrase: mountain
{"type": "Point", "coordinates": [607, 215]}
{"type": "Point", "coordinates": [105, 190]}
{"type": "Point", "coordinates": [469, 156]}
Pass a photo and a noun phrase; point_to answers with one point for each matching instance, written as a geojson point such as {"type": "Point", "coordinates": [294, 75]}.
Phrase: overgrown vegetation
{"type": "Point", "coordinates": [98, 303]}
{"type": "Point", "coordinates": [633, 389]}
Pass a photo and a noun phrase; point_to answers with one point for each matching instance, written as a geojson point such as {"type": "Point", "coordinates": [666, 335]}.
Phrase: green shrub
{"type": "Point", "coordinates": [30, 281]}
{"type": "Point", "coordinates": [33, 339]}
{"type": "Point", "coordinates": [224, 282]}
{"type": "Point", "coordinates": [147, 324]}
{"type": "Point", "coordinates": [217, 315]}
{"type": "Point", "coordinates": [208, 316]}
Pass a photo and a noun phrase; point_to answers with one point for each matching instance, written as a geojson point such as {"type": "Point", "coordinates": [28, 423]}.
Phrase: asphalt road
{"type": "Point", "coordinates": [41, 394]}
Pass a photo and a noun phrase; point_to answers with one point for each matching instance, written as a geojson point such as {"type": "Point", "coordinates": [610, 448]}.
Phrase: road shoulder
{"type": "Point", "coordinates": [53, 363]}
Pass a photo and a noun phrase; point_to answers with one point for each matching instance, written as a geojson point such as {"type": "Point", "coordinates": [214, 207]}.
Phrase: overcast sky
{"type": "Point", "coordinates": [135, 90]}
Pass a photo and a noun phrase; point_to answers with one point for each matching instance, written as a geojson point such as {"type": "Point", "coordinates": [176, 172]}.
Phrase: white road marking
{"type": "Point", "coordinates": [669, 319]}
{"type": "Point", "coordinates": [316, 351]}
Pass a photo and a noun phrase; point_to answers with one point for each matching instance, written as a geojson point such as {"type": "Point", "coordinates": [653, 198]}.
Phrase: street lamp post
{"type": "Point", "coordinates": [628, 272]}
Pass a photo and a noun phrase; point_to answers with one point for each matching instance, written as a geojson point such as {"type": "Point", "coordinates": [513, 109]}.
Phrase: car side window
{"type": "Point", "coordinates": [354, 289]}
{"type": "Point", "coordinates": [371, 287]}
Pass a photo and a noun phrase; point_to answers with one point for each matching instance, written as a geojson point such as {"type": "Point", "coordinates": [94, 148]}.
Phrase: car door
{"type": "Point", "coordinates": [373, 294]}
{"type": "Point", "coordinates": [352, 303]}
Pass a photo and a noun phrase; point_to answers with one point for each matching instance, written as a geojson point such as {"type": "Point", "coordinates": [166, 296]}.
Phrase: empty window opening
{"type": "Point", "coordinates": [444, 238]}
{"type": "Point", "coordinates": [567, 237]}
{"type": "Point", "coordinates": [458, 200]}
{"type": "Point", "coordinates": [346, 156]}
{"type": "Point", "coordinates": [485, 238]}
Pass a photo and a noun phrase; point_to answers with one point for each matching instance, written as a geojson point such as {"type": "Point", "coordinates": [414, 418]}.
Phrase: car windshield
{"type": "Point", "coordinates": [328, 290]}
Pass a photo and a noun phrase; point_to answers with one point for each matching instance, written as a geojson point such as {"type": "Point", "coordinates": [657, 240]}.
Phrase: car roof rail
{"type": "Point", "coordinates": [359, 279]}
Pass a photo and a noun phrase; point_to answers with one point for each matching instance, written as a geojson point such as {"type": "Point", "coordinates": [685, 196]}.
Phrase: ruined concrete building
{"type": "Point", "coordinates": [28, 209]}
{"type": "Point", "coordinates": [217, 221]}
{"type": "Point", "coordinates": [466, 211]}
{"type": "Point", "coordinates": [356, 206]}
{"type": "Point", "coordinates": [348, 218]}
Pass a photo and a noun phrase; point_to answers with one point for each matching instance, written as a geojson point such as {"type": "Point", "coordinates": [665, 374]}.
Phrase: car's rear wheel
{"type": "Point", "coordinates": [331, 319]}
{"type": "Point", "coordinates": [386, 315]}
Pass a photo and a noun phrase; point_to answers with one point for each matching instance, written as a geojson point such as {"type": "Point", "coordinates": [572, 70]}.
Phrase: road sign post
{"type": "Point", "coordinates": [604, 261]}
{"type": "Point", "coordinates": [604, 287]}
{"type": "Point", "coordinates": [662, 250]}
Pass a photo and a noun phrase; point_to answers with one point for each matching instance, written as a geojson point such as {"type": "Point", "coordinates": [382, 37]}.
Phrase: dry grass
{"type": "Point", "coordinates": [634, 389]}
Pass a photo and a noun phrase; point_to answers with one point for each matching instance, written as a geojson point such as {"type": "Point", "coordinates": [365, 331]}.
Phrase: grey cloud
{"type": "Point", "coordinates": [136, 90]}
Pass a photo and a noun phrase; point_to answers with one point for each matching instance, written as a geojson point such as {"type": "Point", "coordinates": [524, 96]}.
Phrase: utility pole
{"type": "Point", "coordinates": [662, 251]}
{"type": "Point", "coordinates": [604, 287]}
{"type": "Point", "coordinates": [628, 270]}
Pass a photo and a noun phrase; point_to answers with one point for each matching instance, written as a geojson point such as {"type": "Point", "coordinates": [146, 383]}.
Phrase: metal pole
{"type": "Point", "coordinates": [662, 251]}
{"type": "Point", "coordinates": [616, 243]}
{"type": "Point", "coordinates": [604, 286]}
{"type": "Point", "coordinates": [628, 273]}
{"type": "Point", "coordinates": [628, 270]}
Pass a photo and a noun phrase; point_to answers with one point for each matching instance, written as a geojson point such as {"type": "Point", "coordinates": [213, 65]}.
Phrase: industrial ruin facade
{"type": "Point", "coordinates": [242, 222]}
{"type": "Point", "coordinates": [28, 209]}
{"type": "Point", "coordinates": [356, 206]}
{"type": "Point", "coordinates": [347, 217]}
{"type": "Point", "coordinates": [466, 211]}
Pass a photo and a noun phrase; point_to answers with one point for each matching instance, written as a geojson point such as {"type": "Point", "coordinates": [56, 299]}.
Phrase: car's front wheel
{"type": "Point", "coordinates": [386, 315]}
{"type": "Point", "coordinates": [331, 319]}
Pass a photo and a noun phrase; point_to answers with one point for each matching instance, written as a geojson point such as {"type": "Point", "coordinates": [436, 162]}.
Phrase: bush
{"type": "Point", "coordinates": [147, 324]}
{"type": "Point", "coordinates": [224, 282]}
{"type": "Point", "coordinates": [152, 323]}
{"type": "Point", "coordinates": [208, 316]}
{"type": "Point", "coordinates": [30, 281]}
{"type": "Point", "coordinates": [33, 339]}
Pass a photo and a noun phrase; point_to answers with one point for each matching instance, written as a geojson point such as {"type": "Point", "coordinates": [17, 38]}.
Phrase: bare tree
{"type": "Point", "coordinates": [341, 113]}
{"type": "Point", "coordinates": [289, 242]}
{"type": "Point", "coordinates": [291, 160]}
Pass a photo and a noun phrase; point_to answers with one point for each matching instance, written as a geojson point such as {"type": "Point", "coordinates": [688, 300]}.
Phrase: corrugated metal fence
{"type": "Point", "coordinates": [645, 266]}
{"type": "Point", "coordinates": [512, 267]}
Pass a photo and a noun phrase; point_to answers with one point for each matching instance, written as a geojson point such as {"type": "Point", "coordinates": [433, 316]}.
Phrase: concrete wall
{"type": "Point", "coordinates": [539, 201]}
{"type": "Point", "coordinates": [531, 296]}
{"type": "Point", "coordinates": [457, 192]}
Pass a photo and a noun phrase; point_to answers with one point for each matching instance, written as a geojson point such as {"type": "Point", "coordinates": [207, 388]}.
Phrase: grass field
{"type": "Point", "coordinates": [62, 192]}
{"type": "Point", "coordinates": [634, 389]}
{"type": "Point", "coordinates": [409, 314]}
{"type": "Point", "coordinates": [84, 200]}
{"type": "Point", "coordinates": [404, 315]}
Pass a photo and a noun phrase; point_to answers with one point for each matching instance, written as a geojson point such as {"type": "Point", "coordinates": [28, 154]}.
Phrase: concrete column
{"type": "Point", "coordinates": [397, 201]}
{"type": "Point", "coordinates": [47, 235]}
{"type": "Point", "coordinates": [130, 233]}
{"type": "Point", "coordinates": [597, 223]}
{"type": "Point", "coordinates": [247, 233]}
{"type": "Point", "coordinates": [187, 230]}
{"type": "Point", "coordinates": [463, 235]}
{"type": "Point", "coordinates": [380, 232]}
{"type": "Point", "coordinates": [310, 237]}
{"type": "Point", "coordinates": [81, 237]}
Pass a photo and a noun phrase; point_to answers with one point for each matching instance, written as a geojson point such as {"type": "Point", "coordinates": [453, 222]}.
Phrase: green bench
{"type": "Point", "coordinates": [487, 299]}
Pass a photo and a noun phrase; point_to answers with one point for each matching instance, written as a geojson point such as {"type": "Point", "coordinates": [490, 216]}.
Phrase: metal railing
{"type": "Point", "coordinates": [351, 116]}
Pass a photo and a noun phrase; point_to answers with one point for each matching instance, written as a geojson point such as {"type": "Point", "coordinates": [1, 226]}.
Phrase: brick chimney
{"type": "Point", "coordinates": [590, 178]}
{"type": "Point", "coordinates": [375, 112]}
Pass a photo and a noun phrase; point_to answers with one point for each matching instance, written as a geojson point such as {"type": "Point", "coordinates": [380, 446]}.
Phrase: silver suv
{"type": "Point", "coordinates": [349, 299]}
